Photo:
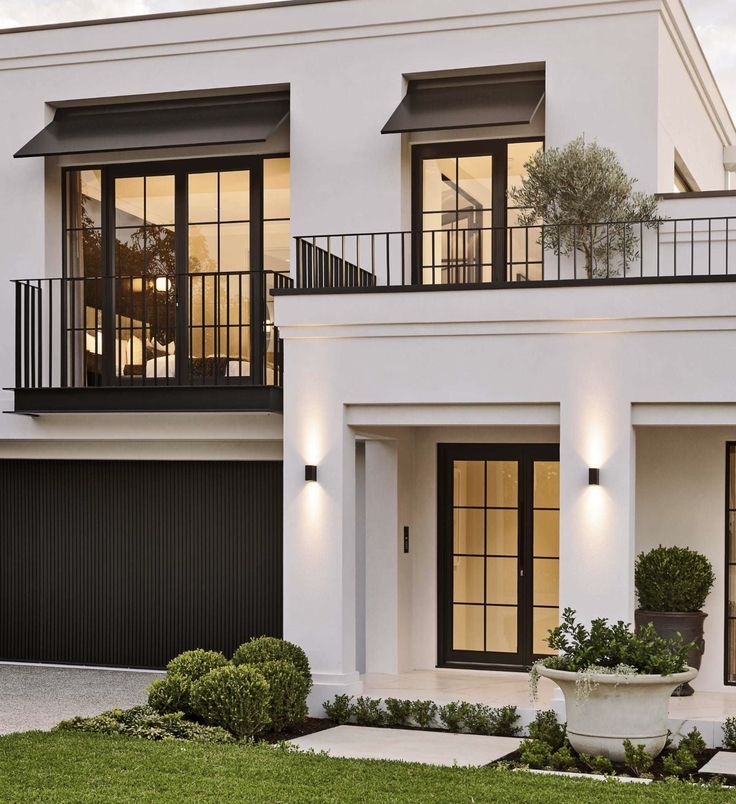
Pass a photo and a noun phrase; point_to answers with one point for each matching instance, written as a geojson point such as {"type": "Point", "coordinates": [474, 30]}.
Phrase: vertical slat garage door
{"type": "Point", "coordinates": [127, 563]}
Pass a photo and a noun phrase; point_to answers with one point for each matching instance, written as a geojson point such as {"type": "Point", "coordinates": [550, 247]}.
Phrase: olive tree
{"type": "Point", "coordinates": [583, 201]}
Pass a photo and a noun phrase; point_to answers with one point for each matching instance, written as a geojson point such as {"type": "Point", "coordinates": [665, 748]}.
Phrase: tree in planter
{"type": "Point", "coordinates": [583, 201]}
{"type": "Point", "coordinates": [672, 584]}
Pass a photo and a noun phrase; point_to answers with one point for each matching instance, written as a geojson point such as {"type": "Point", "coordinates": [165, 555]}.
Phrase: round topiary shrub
{"type": "Point", "coordinates": [268, 649]}
{"type": "Point", "coordinates": [673, 579]}
{"type": "Point", "coordinates": [236, 698]}
{"type": "Point", "coordinates": [288, 690]}
{"type": "Point", "coordinates": [193, 664]}
{"type": "Point", "coordinates": [171, 694]}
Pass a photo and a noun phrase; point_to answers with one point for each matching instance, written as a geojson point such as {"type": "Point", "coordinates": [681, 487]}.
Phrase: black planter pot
{"type": "Point", "coordinates": [670, 623]}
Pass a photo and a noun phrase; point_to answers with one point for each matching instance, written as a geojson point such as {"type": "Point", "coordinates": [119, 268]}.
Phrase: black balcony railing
{"type": "Point", "coordinates": [147, 333]}
{"type": "Point", "coordinates": [664, 249]}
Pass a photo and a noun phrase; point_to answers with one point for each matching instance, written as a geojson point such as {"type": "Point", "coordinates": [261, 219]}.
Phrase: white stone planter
{"type": "Point", "coordinates": [618, 708]}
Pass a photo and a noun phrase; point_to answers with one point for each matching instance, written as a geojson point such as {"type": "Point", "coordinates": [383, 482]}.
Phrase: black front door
{"type": "Point", "coordinates": [498, 548]}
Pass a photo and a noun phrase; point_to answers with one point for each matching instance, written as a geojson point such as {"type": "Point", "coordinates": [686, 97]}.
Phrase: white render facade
{"type": "Point", "coordinates": [631, 377]}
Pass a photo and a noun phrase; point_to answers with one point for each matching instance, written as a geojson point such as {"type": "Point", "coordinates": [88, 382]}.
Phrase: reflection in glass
{"type": "Point", "coordinates": [234, 247]}
{"type": "Point", "coordinates": [160, 200]}
{"type": "Point", "coordinates": [276, 245]}
{"type": "Point", "coordinates": [469, 479]}
{"type": "Point", "coordinates": [502, 580]}
{"type": "Point", "coordinates": [547, 534]}
{"type": "Point", "coordinates": [503, 532]}
{"type": "Point", "coordinates": [130, 193]}
{"type": "Point", "coordinates": [276, 189]}
{"type": "Point", "coordinates": [469, 535]}
{"type": "Point", "coordinates": [235, 195]}
{"type": "Point", "coordinates": [202, 197]}
{"type": "Point", "coordinates": [546, 582]}
{"type": "Point", "coordinates": [503, 483]}
{"type": "Point", "coordinates": [546, 484]}
{"type": "Point", "coordinates": [543, 621]}
{"type": "Point", "coordinates": [501, 629]}
{"type": "Point", "coordinates": [467, 627]}
{"type": "Point", "coordinates": [468, 580]}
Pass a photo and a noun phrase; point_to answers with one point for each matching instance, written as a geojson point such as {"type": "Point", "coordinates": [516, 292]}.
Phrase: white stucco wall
{"type": "Point", "coordinates": [680, 500]}
{"type": "Point", "coordinates": [594, 354]}
{"type": "Point", "coordinates": [345, 64]}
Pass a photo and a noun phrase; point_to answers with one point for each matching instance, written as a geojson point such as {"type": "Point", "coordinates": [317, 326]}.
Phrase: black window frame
{"type": "Point", "coordinates": [526, 454]}
{"type": "Point", "coordinates": [180, 169]}
{"type": "Point", "coordinates": [496, 148]}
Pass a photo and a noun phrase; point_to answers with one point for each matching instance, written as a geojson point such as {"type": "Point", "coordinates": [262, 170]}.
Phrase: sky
{"type": "Point", "coordinates": [714, 20]}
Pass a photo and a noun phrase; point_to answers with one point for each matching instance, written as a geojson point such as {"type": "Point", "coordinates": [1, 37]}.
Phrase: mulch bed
{"type": "Point", "coordinates": [310, 726]}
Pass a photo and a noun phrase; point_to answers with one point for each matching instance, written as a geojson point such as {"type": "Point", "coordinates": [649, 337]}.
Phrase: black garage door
{"type": "Point", "coordinates": [128, 563]}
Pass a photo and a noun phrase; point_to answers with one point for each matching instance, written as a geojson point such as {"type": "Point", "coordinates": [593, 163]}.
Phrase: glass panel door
{"type": "Point", "coordinates": [456, 216]}
{"type": "Point", "coordinates": [145, 277]}
{"type": "Point", "coordinates": [218, 234]}
{"type": "Point", "coordinates": [499, 537]}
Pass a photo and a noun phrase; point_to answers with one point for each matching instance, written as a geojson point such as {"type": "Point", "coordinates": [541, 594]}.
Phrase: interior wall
{"type": "Point", "coordinates": [680, 500]}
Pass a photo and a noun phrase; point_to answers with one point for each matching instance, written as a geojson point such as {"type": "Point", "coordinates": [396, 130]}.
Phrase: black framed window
{"type": "Point", "coordinates": [730, 613]}
{"type": "Point", "coordinates": [164, 265]}
{"type": "Point", "coordinates": [498, 553]}
{"type": "Point", "coordinates": [467, 231]}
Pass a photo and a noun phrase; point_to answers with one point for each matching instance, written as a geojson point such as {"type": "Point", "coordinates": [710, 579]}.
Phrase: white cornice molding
{"type": "Point", "coordinates": [186, 45]}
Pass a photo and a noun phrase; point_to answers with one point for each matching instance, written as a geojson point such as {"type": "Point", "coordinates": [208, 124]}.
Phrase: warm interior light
{"type": "Point", "coordinates": [163, 284]}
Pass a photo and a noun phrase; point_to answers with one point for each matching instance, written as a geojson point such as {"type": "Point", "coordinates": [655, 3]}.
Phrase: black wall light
{"type": "Point", "coordinates": [594, 477]}
{"type": "Point", "coordinates": [310, 473]}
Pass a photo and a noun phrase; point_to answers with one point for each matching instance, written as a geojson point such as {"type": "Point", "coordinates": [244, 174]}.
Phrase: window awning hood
{"type": "Point", "coordinates": [468, 102]}
{"type": "Point", "coordinates": [163, 124]}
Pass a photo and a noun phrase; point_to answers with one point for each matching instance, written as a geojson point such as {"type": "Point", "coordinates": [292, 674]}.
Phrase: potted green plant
{"type": "Point", "coordinates": [672, 584]}
{"type": "Point", "coordinates": [616, 683]}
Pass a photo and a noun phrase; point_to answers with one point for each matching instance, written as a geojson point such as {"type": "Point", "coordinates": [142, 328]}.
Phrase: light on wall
{"type": "Point", "coordinates": [310, 473]}
{"type": "Point", "coordinates": [594, 477]}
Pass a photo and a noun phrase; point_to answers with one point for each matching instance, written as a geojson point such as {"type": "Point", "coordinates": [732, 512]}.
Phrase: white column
{"type": "Point", "coordinates": [319, 543]}
{"type": "Point", "coordinates": [597, 522]}
{"type": "Point", "coordinates": [381, 557]}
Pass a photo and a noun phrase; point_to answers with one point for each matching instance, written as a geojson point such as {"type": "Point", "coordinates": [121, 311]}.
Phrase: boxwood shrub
{"type": "Point", "coordinates": [288, 690]}
{"type": "Point", "coordinates": [234, 697]}
{"type": "Point", "coordinates": [172, 693]}
{"type": "Point", "coordinates": [673, 579]}
{"type": "Point", "coordinates": [269, 649]}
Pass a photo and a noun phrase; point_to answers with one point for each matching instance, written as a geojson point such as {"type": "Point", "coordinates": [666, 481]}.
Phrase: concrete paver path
{"type": "Point", "coordinates": [36, 697]}
{"type": "Point", "coordinates": [427, 747]}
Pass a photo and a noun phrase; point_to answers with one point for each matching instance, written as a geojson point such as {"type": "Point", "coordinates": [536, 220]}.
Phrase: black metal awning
{"type": "Point", "coordinates": [468, 102]}
{"type": "Point", "coordinates": [163, 124]}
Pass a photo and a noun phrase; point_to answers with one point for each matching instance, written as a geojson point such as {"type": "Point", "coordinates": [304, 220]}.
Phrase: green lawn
{"type": "Point", "coordinates": [86, 767]}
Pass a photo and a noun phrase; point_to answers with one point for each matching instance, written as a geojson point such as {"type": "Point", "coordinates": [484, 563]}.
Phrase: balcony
{"type": "Point", "coordinates": [174, 342]}
{"type": "Point", "coordinates": [695, 249]}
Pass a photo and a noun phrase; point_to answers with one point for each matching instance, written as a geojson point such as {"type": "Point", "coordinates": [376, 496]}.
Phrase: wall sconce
{"type": "Point", "coordinates": [310, 473]}
{"type": "Point", "coordinates": [594, 477]}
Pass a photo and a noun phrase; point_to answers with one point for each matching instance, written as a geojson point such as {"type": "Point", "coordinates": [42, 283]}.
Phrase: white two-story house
{"type": "Point", "coordinates": [278, 357]}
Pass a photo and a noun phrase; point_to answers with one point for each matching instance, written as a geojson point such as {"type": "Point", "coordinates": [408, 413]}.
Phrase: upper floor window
{"type": "Point", "coordinates": [470, 232]}
{"type": "Point", "coordinates": [168, 265]}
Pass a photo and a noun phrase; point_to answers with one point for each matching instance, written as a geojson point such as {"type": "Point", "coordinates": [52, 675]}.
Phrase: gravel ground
{"type": "Point", "coordinates": [37, 698]}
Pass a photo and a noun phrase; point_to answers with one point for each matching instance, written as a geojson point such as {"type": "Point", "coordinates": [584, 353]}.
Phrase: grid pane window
{"type": "Point", "coordinates": [523, 249]}
{"type": "Point", "coordinates": [83, 244]}
{"type": "Point", "coordinates": [546, 553]}
{"type": "Point", "coordinates": [456, 206]}
{"type": "Point", "coordinates": [219, 294]}
{"type": "Point", "coordinates": [731, 560]}
{"type": "Point", "coordinates": [145, 271]}
{"type": "Point", "coordinates": [485, 555]}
